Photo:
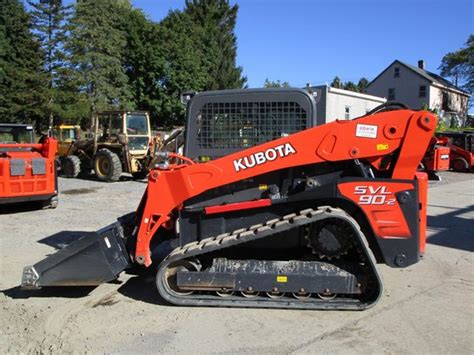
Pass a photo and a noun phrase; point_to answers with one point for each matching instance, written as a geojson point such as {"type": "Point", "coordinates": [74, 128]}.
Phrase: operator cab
{"type": "Point", "coordinates": [66, 135]}
{"type": "Point", "coordinates": [11, 133]}
{"type": "Point", "coordinates": [131, 127]}
{"type": "Point", "coordinates": [224, 122]}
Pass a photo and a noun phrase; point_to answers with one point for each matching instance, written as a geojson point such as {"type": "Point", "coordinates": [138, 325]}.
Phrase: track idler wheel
{"type": "Point", "coordinates": [171, 272]}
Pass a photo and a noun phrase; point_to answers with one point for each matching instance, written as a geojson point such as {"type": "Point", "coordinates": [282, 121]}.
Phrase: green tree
{"type": "Point", "coordinates": [48, 24]}
{"type": "Point", "coordinates": [459, 66]}
{"type": "Point", "coordinates": [275, 84]}
{"type": "Point", "coordinates": [349, 85]}
{"type": "Point", "coordinates": [337, 83]}
{"type": "Point", "coordinates": [184, 67]}
{"type": "Point", "coordinates": [213, 30]}
{"type": "Point", "coordinates": [199, 49]}
{"type": "Point", "coordinates": [21, 78]}
{"type": "Point", "coordinates": [362, 85]}
{"type": "Point", "coordinates": [95, 45]}
{"type": "Point", "coordinates": [144, 63]}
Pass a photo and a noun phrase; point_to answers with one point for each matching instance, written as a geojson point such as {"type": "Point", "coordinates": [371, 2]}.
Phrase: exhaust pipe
{"type": "Point", "coordinates": [93, 259]}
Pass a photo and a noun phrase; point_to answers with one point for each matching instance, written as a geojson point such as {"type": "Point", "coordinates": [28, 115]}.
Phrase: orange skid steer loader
{"type": "Point", "coordinates": [27, 170]}
{"type": "Point", "coordinates": [298, 219]}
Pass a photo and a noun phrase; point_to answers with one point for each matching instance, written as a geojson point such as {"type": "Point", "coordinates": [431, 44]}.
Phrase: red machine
{"type": "Point", "coordinates": [27, 170]}
{"type": "Point", "coordinates": [461, 149]}
{"type": "Point", "coordinates": [436, 157]}
{"type": "Point", "coordinates": [296, 222]}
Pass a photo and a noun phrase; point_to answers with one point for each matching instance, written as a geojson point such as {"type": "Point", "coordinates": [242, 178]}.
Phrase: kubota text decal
{"type": "Point", "coordinates": [258, 158]}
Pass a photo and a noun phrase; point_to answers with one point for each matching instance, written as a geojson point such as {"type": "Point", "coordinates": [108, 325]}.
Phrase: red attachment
{"type": "Point", "coordinates": [246, 205]}
{"type": "Point", "coordinates": [456, 152]}
{"type": "Point", "coordinates": [438, 159]}
{"type": "Point", "coordinates": [27, 184]}
{"type": "Point", "coordinates": [368, 138]}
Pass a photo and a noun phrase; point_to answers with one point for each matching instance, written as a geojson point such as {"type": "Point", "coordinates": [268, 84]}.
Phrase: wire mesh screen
{"type": "Point", "coordinates": [245, 124]}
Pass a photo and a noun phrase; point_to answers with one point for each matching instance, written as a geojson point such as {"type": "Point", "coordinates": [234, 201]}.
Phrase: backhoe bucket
{"type": "Point", "coordinates": [95, 258]}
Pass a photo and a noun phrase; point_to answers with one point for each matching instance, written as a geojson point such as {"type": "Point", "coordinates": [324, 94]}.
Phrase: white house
{"type": "Point", "coordinates": [335, 103]}
{"type": "Point", "coordinates": [420, 89]}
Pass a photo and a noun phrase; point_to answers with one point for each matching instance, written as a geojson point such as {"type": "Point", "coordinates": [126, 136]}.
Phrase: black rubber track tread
{"type": "Point", "coordinates": [75, 163]}
{"type": "Point", "coordinates": [294, 220]}
{"type": "Point", "coordinates": [115, 163]}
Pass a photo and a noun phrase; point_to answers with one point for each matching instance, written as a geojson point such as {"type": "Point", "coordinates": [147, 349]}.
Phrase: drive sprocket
{"type": "Point", "coordinates": [329, 239]}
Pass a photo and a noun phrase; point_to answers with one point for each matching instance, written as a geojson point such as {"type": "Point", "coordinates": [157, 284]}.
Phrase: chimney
{"type": "Point", "coordinates": [421, 64]}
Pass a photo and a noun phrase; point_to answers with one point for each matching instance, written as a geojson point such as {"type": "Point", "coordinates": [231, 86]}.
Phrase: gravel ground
{"type": "Point", "coordinates": [426, 308]}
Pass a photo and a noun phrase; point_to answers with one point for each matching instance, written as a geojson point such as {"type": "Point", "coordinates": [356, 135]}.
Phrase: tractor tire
{"type": "Point", "coordinates": [140, 175]}
{"type": "Point", "coordinates": [107, 166]}
{"type": "Point", "coordinates": [460, 165]}
{"type": "Point", "coordinates": [71, 166]}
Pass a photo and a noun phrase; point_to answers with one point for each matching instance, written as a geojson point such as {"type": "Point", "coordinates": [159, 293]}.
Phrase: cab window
{"type": "Point", "coordinates": [68, 134]}
{"type": "Point", "coordinates": [137, 125]}
{"type": "Point", "coordinates": [116, 124]}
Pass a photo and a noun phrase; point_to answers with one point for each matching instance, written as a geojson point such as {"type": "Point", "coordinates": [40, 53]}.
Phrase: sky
{"type": "Point", "coordinates": [304, 41]}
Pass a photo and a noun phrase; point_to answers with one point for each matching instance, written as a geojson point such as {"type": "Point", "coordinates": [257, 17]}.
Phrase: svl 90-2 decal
{"type": "Point", "coordinates": [373, 195]}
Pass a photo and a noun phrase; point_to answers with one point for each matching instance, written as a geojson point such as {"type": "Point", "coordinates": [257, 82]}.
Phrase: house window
{"type": "Point", "coordinates": [447, 104]}
{"type": "Point", "coordinates": [422, 91]}
{"type": "Point", "coordinates": [396, 72]}
{"type": "Point", "coordinates": [391, 94]}
{"type": "Point", "coordinates": [347, 112]}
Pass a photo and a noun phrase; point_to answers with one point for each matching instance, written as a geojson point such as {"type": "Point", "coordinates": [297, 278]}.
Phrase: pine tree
{"type": "Point", "coordinates": [362, 84]}
{"type": "Point", "coordinates": [22, 97]}
{"type": "Point", "coordinates": [349, 85]}
{"type": "Point", "coordinates": [48, 23]}
{"type": "Point", "coordinates": [95, 45]}
{"type": "Point", "coordinates": [275, 84]}
{"type": "Point", "coordinates": [144, 62]}
{"type": "Point", "coordinates": [184, 68]}
{"type": "Point", "coordinates": [214, 22]}
{"type": "Point", "coordinates": [199, 49]}
{"type": "Point", "coordinates": [337, 83]}
{"type": "Point", "coordinates": [459, 65]}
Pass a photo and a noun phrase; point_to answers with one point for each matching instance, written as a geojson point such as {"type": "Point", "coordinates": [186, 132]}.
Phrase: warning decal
{"type": "Point", "coordinates": [366, 131]}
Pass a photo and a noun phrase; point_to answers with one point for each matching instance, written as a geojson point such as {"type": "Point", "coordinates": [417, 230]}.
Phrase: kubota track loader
{"type": "Point", "coordinates": [295, 220]}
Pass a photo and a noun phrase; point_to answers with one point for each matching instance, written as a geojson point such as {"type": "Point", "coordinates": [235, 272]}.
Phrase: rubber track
{"type": "Point", "coordinates": [244, 235]}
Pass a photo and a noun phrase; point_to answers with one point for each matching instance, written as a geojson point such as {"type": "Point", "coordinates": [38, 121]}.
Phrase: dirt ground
{"type": "Point", "coordinates": [426, 308]}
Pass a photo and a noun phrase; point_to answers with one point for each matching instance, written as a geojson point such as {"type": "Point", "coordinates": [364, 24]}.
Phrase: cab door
{"type": "Point", "coordinates": [66, 138]}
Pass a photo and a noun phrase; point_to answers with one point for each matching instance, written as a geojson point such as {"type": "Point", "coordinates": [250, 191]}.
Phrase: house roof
{"type": "Point", "coordinates": [431, 77]}
{"type": "Point", "coordinates": [359, 95]}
